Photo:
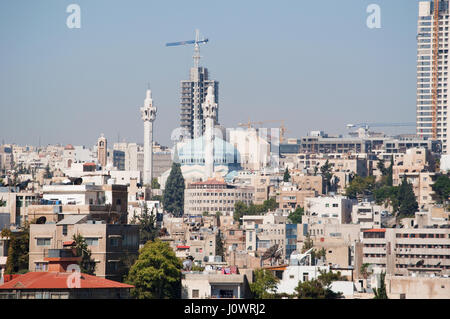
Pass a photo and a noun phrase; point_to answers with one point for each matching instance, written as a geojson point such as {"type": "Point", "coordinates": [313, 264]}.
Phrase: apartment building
{"type": "Point", "coordinates": [432, 71]}
{"type": "Point", "coordinates": [289, 196]}
{"type": "Point", "coordinates": [328, 209]}
{"type": "Point", "coordinates": [417, 165]}
{"type": "Point", "coordinates": [403, 251]}
{"type": "Point", "coordinates": [367, 215]}
{"type": "Point", "coordinates": [308, 182]}
{"type": "Point", "coordinates": [215, 286]}
{"type": "Point", "coordinates": [15, 207]}
{"type": "Point", "coordinates": [112, 246]}
{"type": "Point", "coordinates": [215, 196]}
{"type": "Point", "coordinates": [105, 202]}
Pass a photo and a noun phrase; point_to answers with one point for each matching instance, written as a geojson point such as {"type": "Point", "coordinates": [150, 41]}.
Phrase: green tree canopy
{"type": "Point", "coordinates": [156, 274]}
{"type": "Point", "coordinates": [17, 260]}
{"type": "Point", "coordinates": [147, 225]}
{"type": "Point", "coordinates": [442, 188]}
{"type": "Point", "coordinates": [326, 170]}
{"type": "Point", "coordinates": [380, 293]}
{"type": "Point", "coordinates": [286, 176]}
{"type": "Point", "coordinates": [296, 216]}
{"type": "Point", "coordinates": [87, 264]}
{"type": "Point", "coordinates": [406, 198]}
{"type": "Point", "coordinates": [241, 209]}
{"type": "Point", "coordinates": [360, 186]}
{"type": "Point", "coordinates": [264, 284]}
{"type": "Point", "coordinates": [173, 199]}
{"type": "Point", "coordinates": [318, 288]}
{"type": "Point", "coordinates": [155, 184]}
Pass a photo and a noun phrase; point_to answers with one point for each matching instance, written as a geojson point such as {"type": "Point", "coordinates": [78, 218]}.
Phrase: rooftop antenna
{"type": "Point", "coordinates": [195, 42]}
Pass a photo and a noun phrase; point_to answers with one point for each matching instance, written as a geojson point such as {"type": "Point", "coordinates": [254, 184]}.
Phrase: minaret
{"type": "Point", "coordinates": [102, 151]}
{"type": "Point", "coordinates": [148, 112]}
{"type": "Point", "coordinates": [209, 114]}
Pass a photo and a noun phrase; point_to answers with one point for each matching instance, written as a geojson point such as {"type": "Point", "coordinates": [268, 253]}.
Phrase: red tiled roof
{"type": "Point", "coordinates": [69, 147]}
{"type": "Point", "coordinates": [89, 164]}
{"type": "Point", "coordinates": [68, 243]}
{"type": "Point", "coordinates": [58, 280]}
{"type": "Point", "coordinates": [183, 247]}
{"type": "Point", "coordinates": [375, 230]}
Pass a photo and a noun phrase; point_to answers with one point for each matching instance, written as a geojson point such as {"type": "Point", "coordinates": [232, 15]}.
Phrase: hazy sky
{"type": "Point", "coordinates": [314, 64]}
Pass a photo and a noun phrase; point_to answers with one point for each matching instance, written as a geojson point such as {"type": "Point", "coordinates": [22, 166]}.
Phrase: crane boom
{"type": "Point", "coordinates": [195, 42]}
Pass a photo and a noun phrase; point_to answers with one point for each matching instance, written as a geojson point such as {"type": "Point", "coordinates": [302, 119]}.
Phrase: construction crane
{"type": "Point", "coordinates": [283, 129]}
{"type": "Point", "coordinates": [196, 44]}
{"type": "Point", "coordinates": [366, 126]}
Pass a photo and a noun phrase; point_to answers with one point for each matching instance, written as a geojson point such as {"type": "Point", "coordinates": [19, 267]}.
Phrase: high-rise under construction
{"type": "Point", "coordinates": [193, 93]}
{"type": "Point", "coordinates": [432, 71]}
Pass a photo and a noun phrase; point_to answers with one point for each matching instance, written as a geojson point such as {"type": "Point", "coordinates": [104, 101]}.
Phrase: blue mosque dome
{"type": "Point", "coordinates": [192, 152]}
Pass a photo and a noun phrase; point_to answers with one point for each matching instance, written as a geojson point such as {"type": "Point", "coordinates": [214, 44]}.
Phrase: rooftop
{"type": "Point", "coordinates": [58, 280]}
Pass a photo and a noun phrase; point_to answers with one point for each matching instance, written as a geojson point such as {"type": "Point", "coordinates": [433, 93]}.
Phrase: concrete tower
{"type": "Point", "coordinates": [148, 112]}
{"type": "Point", "coordinates": [193, 94]}
{"type": "Point", "coordinates": [209, 108]}
{"type": "Point", "coordinates": [433, 121]}
{"type": "Point", "coordinates": [102, 151]}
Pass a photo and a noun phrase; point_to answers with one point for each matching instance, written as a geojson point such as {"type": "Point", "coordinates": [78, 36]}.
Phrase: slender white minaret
{"type": "Point", "coordinates": [209, 114]}
{"type": "Point", "coordinates": [148, 112]}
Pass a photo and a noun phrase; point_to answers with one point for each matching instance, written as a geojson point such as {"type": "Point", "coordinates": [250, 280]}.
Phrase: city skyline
{"type": "Point", "coordinates": [56, 79]}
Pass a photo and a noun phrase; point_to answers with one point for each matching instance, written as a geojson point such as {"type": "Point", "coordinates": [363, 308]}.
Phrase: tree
{"type": "Point", "coordinates": [156, 274]}
{"type": "Point", "coordinates": [155, 184]}
{"type": "Point", "coordinates": [147, 225]}
{"type": "Point", "coordinates": [220, 249]}
{"type": "Point", "coordinates": [264, 285]}
{"type": "Point", "coordinates": [442, 188]}
{"type": "Point", "coordinates": [296, 216]}
{"type": "Point", "coordinates": [381, 168]}
{"type": "Point", "coordinates": [270, 204]}
{"type": "Point", "coordinates": [87, 264]}
{"type": "Point", "coordinates": [380, 293]}
{"type": "Point", "coordinates": [319, 288]}
{"type": "Point", "coordinates": [364, 270]}
{"type": "Point", "coordinates": [17, 260]}
{"type": "Point", "coordinates": [407, 199]}
{"type": "Point", "coordinates": [239, 210]}
{"type": "Point", "coordinates": [389, 181]}
{"type": "Point", "coordinates": [326, 170]}
{"type": "Point", "coordinates": [360, 186]}
{"type": "Point", "coordinates": [307, 245]}
{"type": "Point", "coordinates": [173, 199]}
{"type": "Point", "coordinates": [286, 176]}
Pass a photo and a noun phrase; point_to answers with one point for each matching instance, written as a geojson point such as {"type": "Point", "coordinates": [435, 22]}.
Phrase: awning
{"type": "Point", "coordinates": [68, 243]}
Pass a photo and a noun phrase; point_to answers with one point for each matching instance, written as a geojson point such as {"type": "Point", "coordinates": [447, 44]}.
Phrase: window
{"type": "Point", "coordinates": [90, 241]}
{"type": "Point", "coordinates": [195, 293]}
{"type": "Point", "coordinates": [43, 241]}
{"type": "Point", "coordinates": [114, 242]}
{"type": "Point", "coordinates": [305, 276]}
{"type": "Point", "coordinates": [64, 231]}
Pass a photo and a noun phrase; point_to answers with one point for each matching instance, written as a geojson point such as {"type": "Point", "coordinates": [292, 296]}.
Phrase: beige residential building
{"type": "Point", "coordinates": [290, 196]}
{"type": "Point", "coordinates": [16, 204]}
{"type": "Point", "coordinates": [112, 246]}
{"type": "Point", "coordinates": [308, 182]}
{"type": "Point", "coordinates": [404, 251]}
{"type": "Point", "coordinates": [418, 166]}
{"type": "Point", "coordinates": [423, 287]}
{"type": "Point", "coordinates": [215, 196]}
{"type": "Point", "coordinates": [214, 286]}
